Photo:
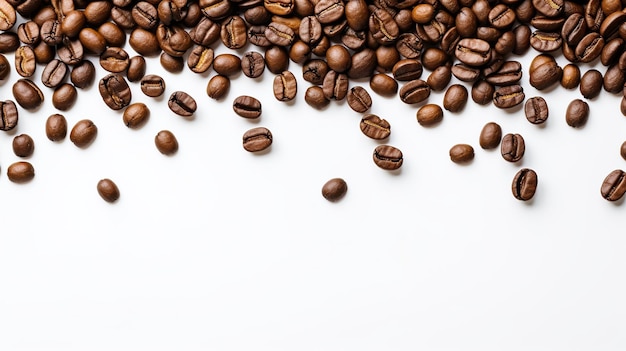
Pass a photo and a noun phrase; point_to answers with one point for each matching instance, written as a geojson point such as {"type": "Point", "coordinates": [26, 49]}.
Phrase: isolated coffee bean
{"type": "Point", "coordinates": [508, 96]}
{"type": "Point", "coordinates": [108, 190]}
{"type": "Point", "coordinates": [83, 133]}
{"type": "Point", "coordinates": [8, 115]}
{"type": "Point", "coordinates": [314, 97]}
{"type": "Point", "coordinates": [414, 91]}
{"type": "Point", "coordinates": [490, 136]}
{"type": "Point", "coordinates": [461, 153]}
{"type": "Point", "coordinates": [114, 60]}
{"type": "Point", "coordinates": [21, 172]}
{"type": "Point", "coordinates": [257, 139]}
{"type": "Point", "coordinates": [407, 69]}
{"type": "Point", "coordinates": [571, 76]}
{"type": "Point", "coordinates": [591, 83]}
{"type": "Point", "coordinates": [335, 85]}
{"type": "Point", "coordinates": [64, 97]}
{"type": "Point", "coordinates": [455, 98]}
{"type": "Point", "coordinates": [614, 185]}
{"type": "Point", "coordinates": [439, 79]}
{"type": "Point", "coordinates": [152, 85]}
{"type": "Point", "coordinates": [166, 142]}
{"type": "Point", "coordinates": [27, 94]}
{"type": "Point", "coordinates": [524, 184]}
{"type": "Point", "coordinates": [359, 99]}
{"type": "Point", "coordinates": [172, 64]}
{"type": "Point", "coordinates": [429, 114]}
{"type": "Point", "coordinates": [465, 73]}
{"type": "Point", "coordinates": [577, 113]}
{"type": "Point", "coordinates": [218, 87]}
{"type": "Point", "coordinates": [23, 145]}
{"type": "Point", "coordinates": [334, 189]}
{"type": "Point", "coordinates": [135, 115]}
{"type": "Point", "coordinates": [285, 86]}
{"type": "Point", "coordinates": [56, 127]}
{"type": "Point", "coordinates": [512, 147]}
{"type": "Point", "coordinates": [387, 157]}
{"type": "Point", "coordinates": [115, 91]}
{"type": "Point", "coordinates": [252, 64]}
{"type": "Point", "coordinates": [536, 110]}
{"type": "Point", "coordinates": [182, 104]}
{"type": "Point", "coordinates": [247, 106]}
{"type": "Point", "coordinates": [277, 60]}
{"type": "Point", "coordinates": [375, 127]}
{"type": "Point", "coordinates": [227, 64]}
{"type": "Point", "coordinates": [314, 71]}
{"type": "Point", "coordinates": [482, 92]}
{"type": "Point", "coordinates": [545, 75]}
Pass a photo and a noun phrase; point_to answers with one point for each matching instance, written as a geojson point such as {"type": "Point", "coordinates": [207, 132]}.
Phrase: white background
{"type": "Point", "coordinates": [219, 249]}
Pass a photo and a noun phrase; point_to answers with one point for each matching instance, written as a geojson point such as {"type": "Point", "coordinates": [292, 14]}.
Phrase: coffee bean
{"type": "Point", "coordinates": [56, 127]}
{"type": "Point", "coordinates": [83, 74]}
{"type": "Point", "coordinates": [182, 104]}
{"type": "Point", "coordinates": [114, 60]}
{"type": "Point", "coordinates": [23, 145]}
{"type": "Point", "coordinates": [145, 15]}
{"type": "Point", "coordinates": [205, 32]}
{"type": "Point", "coordinates": [577, 113]}
{"type": "Point", "coordinates": [614, 185]}
{"type": "Point", "coordinates": [234, 32]}
{"type": "Point", "coordinates": [21, 172]}
{"type": "Point", "coordinates": [508, 74]}
{"type": "Point", "coordinates": [545, 75]}
{"type": "Point", "coordinates": [439, 79]}
{"type": "Point", "coordinates": [92, 41]}
{"type": "Point", "coordinates": [64, 97]}
{"type": "Point", "coordinates": [508, 96]}
{"type": "Point", "coordinates": [115, 91]}
{"type": "Point", "coordinates": [387, 157]}
{"type": "Point", "coordinates": [410, 45]}
{"type": "Point", "coordinates": [482, 92]}
{"type": "Point", "coordinates": [280, 34]}
{"type": "Point", "coordinates": [461, 153]}
{"type": "Point", "coordinates": [285, 86]}
{"type": "Point", "coordinates": [54, 73]}
{"type": "Point", "coordinates": [5, 67]}
{"type": "Point", "coordinates": [51, 32]}
{"type": "Point", "coordinates": [218, 87]}
{"type": "Point", "coordinates": [83, 133]}
{"type": "Point", "coordinates": [172, 64]}
{"type": "Point", "coordinates": [135, 115]}
{"type": "Point", "coordinates": [277, 59]}
{"type": "Point", "coordinates": [136, 68]}
{"type": "Point", "coordinates": [545, 42]}
{"type": "Point", "coordinates": [383, 84]}
{"type": "Point", "coordinates": [9, 42]}
{"type": "Point", "coordinates": [465, 73]}
{"type": "Point", "coordinates": [591, 84]}
{"type": "Point", "coordinates": [200, 59]}
{"type": "Point", "coordinates": [571, 76]}
{"type": "Point", "coordinates": [27, 94]}
{"type": "Point", "coordinates": [25, 63]}
{"type": "Point", "coordinates": [383, 27]}
{"type": "Point", "coordinates": [8, 115]}
{"type": "Point", "coordinates": [612, 51]}
{"type": "Point", "coordinates": [589, 48]}
{"type": "Point", "coordinates": [247, 106]}
{"type": "Point", "coordinates": [407, 69]}
{"type": "Point", "coordinates": [574, 29]}
{"type": "Point", "coordinates": [335, 85]}
{"type": "Point", "coordinates": [334, 189]}
{"type": "Point", "coordinates": [501, 16]}
{"type": "Point", "coordinates": [414, 92]}
{"type": "Point", "coordinates": [433, 57]}
{"type": "Point", "coordinates": [512, 147]}
{"type": "Point", "coordinates": [613, 81]}
{"type": "Point", "coordinates": [252, 64]}
{"type": "Point", "coordinates": [327, 11]}
{"type": "Point", "coordinates": [622, 150]}
{"type": "Point", "coordinates": [314, 97]}
{"type": "Point", "coordinates": [108, 190]}
{"type": "Point", "coordinates": [429, 115]}
{"type": "Point", "coordinates": [152, 85]}
{"type": "Point", "coordinates": [363, 64]}
{"type": "Point", "coordinates": [166, 142]}
{"type": "Point", "coordinates": [490, 136]}
{"type": "Point", "coordinates": [70, 52]}
{"type": "Point", "coordinates": [473, 52]}
{"type": "Point", "coordinates": [375, 127]}
{"type": "Point", "coordinates": [112, 34]}
{"type": "Point", "coordinates": [144, 42]}
{"type": "Point", "coordinates": [524, 184]}
{"type": "Point", "coordinates": [455, 98]}
{"type": "Point", "coordinates": [8, 15]}
{"type": "Point", "coordinates": [257, 139]}
{"type": "Point", "coordinates": [338, 58]}
{"type": "Point", "coordinates": [227, 64]}
{"type": "Point", "coordinates": [359, 99]}
{"type": "Point", "coordinates": [536, 110]}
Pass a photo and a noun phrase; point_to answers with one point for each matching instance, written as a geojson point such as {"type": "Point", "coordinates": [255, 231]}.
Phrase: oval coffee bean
{"type": "Point", "coordinates": [512, 147]}
{"type": "Point", "coordinates": [375, 127]}
{"type": "Point", "coordinates": [387, 157]}
{"type": "Point", "coordinates": [359, 99]}
{"type": "Point", "coordinates": [252, 64]}
{"type": "Point", "coordinates": [334, 189]}
{"type": "Point", "coordinates": [23, 145]}
{"type": "Point", "coordinates": [218, 87]}
{"type": "Point", "coordinates": [508, 96]}
{"type": "Point", "coordinates": [257, 139]}
{"type": "Point", "coordinates": [115, 91]}
{"type": "Point", "coordinates": [455, 98]}
{"type": "Point", "coordinates": [64, 96]}
{"type": "Point", "coordinates": [614, 185]}
{"type": "Point", "coordinates": [8, 115]}
{"type": "Point", "coordinates": [429, 114]}
{"type": "Point", "coordinates": [114, 60]}
{"type": "Point", "coordinates": [473, 52]}
{"type": "Point", "coordinates": [247, 106]}
{"type": "Point", "coordinates": [182, 104]}
{"type": "Point", "coordinates": [490, 136]}
{"type": "Point", "coordinates": [622, 150]}
{"type": "Point", "coordinates": [83, 74]}
{"type": "Point", "coordinates": [8, 15]}
{"type": "Point", "coordinates": [591, 83]}
{"type": "Point", "coordinates": [152, 85]}
{"type": "Point", "coordinates": [108, 190]}
{"type": "Point", "coordinates": [54, 73]}
{"type": "Point", "coordinates": [25, 63]}
{"type": "Point", "coordinates": [21, 172]}
{"type": "Point", "coordinates": [461, 153]}
{"type": "Point", "coordinates": [27, 94]}
{"type": "Point", "coordinates": [56, 127]}
{"type": "Point", "coordinates": [166, 142]}
{"type": "Point", "coordinates": [414, 91]}
{"type": "Point", "coordinates": [314, 97]}
{"type": "Point", "coordinates": [577, 113]}
{"type": "Point", "coordinates": [83, 133]}
{"type": "Point", "coordinates": [285, 86]}
{"type": "Point", "coordinates": [524, 184]}
{"type": "Point", "coordinates": [536, 110]}
{"type": "Point", "coordinates": [135, 115]}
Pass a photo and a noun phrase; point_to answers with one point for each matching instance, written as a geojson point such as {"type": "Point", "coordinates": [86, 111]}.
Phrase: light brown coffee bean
{"type": "Point", "coordinates": [21, 172]}
{"type": "Point", "coordinates": [490, 136]}
{"type": "Point", "coordinates": [257, 139]}
{"type": "Point", "coordinates": [83, 133]}
{"type": "Point", "coordinates": [461, 153]}
{"type": "Point", "coordinates": [166, 142]}
{"type": "Point", "coordinates": [429, 115]}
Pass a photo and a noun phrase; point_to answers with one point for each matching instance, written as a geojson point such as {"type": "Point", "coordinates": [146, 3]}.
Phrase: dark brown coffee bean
{"type": "Point", "coordinates": [410, 45]}
{"type": "Point", "coordinates": [56, 127]}
{"type": "Point", "coordinates": [613, 79]}
{"type": "Point", "coordinates": [114, 60]}
{"type": "Point", "coordinates": [508, 96]}
{"type": "Point", "coordinates": [8, 15]}
{"type": "Point", "coordinates": [536, 110]}
{"type": "Point", "coordinates": [383, 84]}
{"type": "Point", "coordinates": [622, 150]}
{"type": "Point", "coordinates": [414, 92]}
{"type": "Point", "coordinates": [5, 67]}
{"type": "Point", "coordinates": [423, 13]}
{"type": "Point", "coordinates": [83, 133]}
{"type": "Point", "coordinates": [72, 23]}
{"type": "Point", "coordinates": [591, 83]}
{"type": "Point", "coordinates": [547, 24]}
{"type": "Point", "coordinates": [8, 115]}
{"type": "Point", "coordinates": [97, 12]}
{"type": "Point", "coordinates": [92, 41]}
{"type": "Point", "coordinates": [252, 64]}
{"type": "Point", "coordinates": [465, 73]}
{"type": "Point", "coordinates": [279, 34]}
{"type": "Point", "coordinates": [205, 33]}
{"type": "Point", "coordinates": [234, 32]}
{"type": "Point", "coordinates": [122, 17]}
{"type": "Point", "coordinates": [335, 85]}
{"type": "Point", "coordinates": [334, 189]}
{"type": "Point", "coordinates": [152, 85]}
{"type": "Point", "coordinates": [473, 52]}
{"type": "Point", "coordinates": [182, 104]}
{"type": "Point", "coordinates": [545, 75]}
{"type": "Point", "coordinates": [482, 92]}
{"type": "Point", "coordinates": [433, 57]}
{"type": "Point", "coordinates": [512, 147]}
{"type": "Point", "coordinates": [27, 94]}
{"type": "Point", "coordinates": [571, 76]}
{"type": "Point", "coordinates": [429, 115]}
{"type": "Point", "coordinates": [64, 97]}
{"type": "Point", "coordinates": [589, 48]}
{"type": "Point", "coordinates": [439, 79]}
{"type": "Point", "coordinates": [375, 127]}
{"type": "Point", "coordinates": [614, 185]}
{"type": "Point", "coordinates": [300, 52]}
{"type": "Point", "coordinates": [327, 11]}
{"type": "Point", "coordinates": [247, 106]}
{"type": "Point", "coordinates": [21, 172]}
{"type": "Point", "coordinates": [461, 153]}
{"type": "Point", "coordinates": [574, 29]}
{"type": "Point", "coordinates": [285, 86]}
{"type": "Point", "coordinates": [115, 91]}
{"type": "Point", "coordinates": [227, 64]}
{"type": "Point", "coordinates": [83, 74]}
{"type": "Point", "coordinates": [166, 142]}
{"type": "Point", "coordinates": [549, 8]}
{"type": "Point", "coordinates": [51, 32]}
{"type": "Point", "coordinates": [108, 190]}
{"type": "Point", "coordinates": [200, 59]}
{"type": "Point", "coordinates": [545, 42]}
{"type": "Point", "coordinates": [144, 42]}
{"type": "Point", "coordinates": [524, 184]}
{"type": "Point", "coordinates": [216, 9]}
{"type": "Point", "coordinates": [25, 63]}
{"type": "Point", "coordinates": [501, 16]}
{"type": "Point", "coordinates": [509, 73]}
{"type": "Point", "coordinates": [9, 42]}
{"type": "Point", "coordinates": [314, 71]}
{"type": "Point", "coordinates": [455, 98]}
{"type": "Point", "coordinates": [172, 64]}
{"type": "Point", "coordinates": [383, 27]}
{"type": "Point", "coordinates": [277, 59]}
{"type": "Point", "coordinates": [113, 34]}
{"type": "Point", "coordinates": [136, 115]}
{"type": "Point", "coordinates": [173, 39]}
{"type": "Point", "coordinates": [359, 99]}
{"type": "Point", "coordinates": [218, 87]}
{"type": "Point", "coordinates": [54, 73]}
{"type": "Point", "coordinates": [577, 113]}
{"type": "Point", "coordinates": [70, 52]}
{"type": "Point", "coordinates": [522, 39]}
{"type": "Point", "coordinates": [136, 68]}
{"type": "Point", "coordinates": [611, 25]}
{"type": "Point", "coordinates": [256, 36]}
{"type": "Point", "coordinates": [23, 145]}
{"type": "Point", "coordinates": [145, 15]}
{"type": "Point", "coordinates": [257, 139]}
{"type": "Point", "coordinates": [612, 51]}
{"type": "Point", "coordinates": [490, 136]}
{"type": "Point", "coordinates": [314, 97]}
{"type": "Point", "coordinates": [387, 157]}
{"type": "Point", "coordinates": [407, 69]}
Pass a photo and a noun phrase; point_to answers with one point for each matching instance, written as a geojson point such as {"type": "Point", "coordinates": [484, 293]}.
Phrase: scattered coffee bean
{"type": "Point", "coordinates": [591, 84]}
{"type": "Point", "coordinates": [227, 64]}
{"type": "Point", "coordinates": [375, 127]}
{"type": "Point", "coordinates": [383, 84]}
{"type": "Point", "coordinates": [136, 115]}
{"type": "Point", "coordinates": [115, 91]}
{"type": "Point", "coordinates": [247, 106]}
{"type": "Point", "coordinates": [461, 153]}
{"type": "Point", "coordinates": [359, 99]}
{"type": "Point", "coordinates": [414, 92]}
{"type": "Point", "coordinates": [166, 142]}
{"type": "Point", "coordinates": [83, 74]}
{"type": "Point", "coordinates": [614, 185]}
{"type": "Point", "coordinates": [54, 73]}
{"type": "Point", "coordinates": [8, 115]}
{"type": "Point", "coordinates": [108, 190]}
{"type": "Point", "coordinates": [512, 147]}
{"type": "Point", "coordinates": [182, 104]}
{"type": "Point", "coordinates": [429, 115]}
{"type": "Point", "coordinates": [285, 86]}
{"type": "Point", "coordinates": [25, 63]}
{"type": "Point", "coordinates": [490, 136]}
{"type": "Point", "coordinates": [218, 87]}
{"type": "Point", "coordinates": [56, 127]}
{"type": "Point", "coordinates": [21, 172]}
{"type": "Point", "coordinates": [314, 96]}
{"type": "Point", "coordinates": [23, 145]}
{"type": "Point", "coordinates": [387, 157]}
{"type": "Point", "coordinates": [536, 110]}
{"type": "Point", "coordinates": [334, 189]}
{"type": "Point", "coordinates": [257, 139]}
{"type": "Point", "coordinates": [524, 184]}
{"type": "Point", "coordinates": [455, 98]}
{"type": "Point", "coordinates": [64, 96]}
{"type": "Point", "coordinates": [577, 113]}
{"type": "Point", "coordinates": [508, 96]}
{"type": "Point", "coordinates": [83, 133]}
{"type": "Point", "coordinates": [571, 76]}
{"type": "Point", "coordinates": [482, 92]}
{"type": "Point", "coordinates": [152, 85]}
{"type": "Point", "coordinates": [27, 94]}
{"type": "Point", "coordinates": [136, 68]}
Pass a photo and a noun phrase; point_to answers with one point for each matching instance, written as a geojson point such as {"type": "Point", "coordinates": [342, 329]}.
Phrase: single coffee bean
{"type": "Point", "coordinates": [434, 57]}
{"type": "Point", "coordinates": [54, 73]}
{"type": "Point", "coordinates": [9, 42]}
{"type": "Point", "coordinates": [591, 84]}
{"type": "Point", "coordinates": [338, 58]}
{"type": "Point", "coordinates": [136, 115]}
{"type": "Point", "coordinates": [407, 69]}
{"type": "Point", "coordinates": [493, 66]}
{"type": "Point", "coordinates": [334, 189]}
{"type": "Point", "coordinates": [508, 74]}
{"type": "Point", "coordinates": [234, 32]}
{"type": "Point", "coordinates": [8, 15]}
{"type": "Point", "coordinates": [439, 79]}
{"type": "Point", "coordinates": [166, 142]}
{"type": "Point", "coordinates": [227, 64]}
{"type": "Point", "coordinates": [113, 34]}
{"type": "Point", "coordinates": [144, 42]}
{"type": "Point", "coordinates": [577, 113]}
{"type": "Point", "coordinates": [327, 11]}
{"type": "Point", "coordinates": [5, 67]}
{"type": "Point", "coordinates": [612, 51]}
{"type": "Point", "coordinates": [8, 115]}
{"type": "Point", "coordinates": [206, 32]}
{"type": "Point", "coordinates": [614, 185]}
{"type": "Point", "coordinates": [410, 45]}
{"type": "Point", "coordinates": [574, 29]}
{"type": "Point", "coordinates": [429, 115]}
{"type": "Point", "coordinates": [387, 157]}
{"type": "Point", "coordinates": [252, 64]}
{"type": "Point", "coordinates": [279, 34]}
{"type": "Point", "coordinates": [114, 91]}
{"type": "Point", "coordinates": [314, 97]}
{"type": "Point", "coordinates": [536, 110]}
{"type": "Point", "coordinates": [383, 84]}
{"type": "Point", "coordinates": [314, 71]}
{"type": "Point", "coordinates": [56, 127]}
{"type": "Point", "coordinates": [571, 76]}
{"type": "Point", "coordinates": [27, 94]}
{"type": "Point", "coordinates": [482, 92]}
{"type": "Point", "coordinates": [490, 136]}
{"type": "Point", "coordinates": [335, 85]}
{"type": "Point", "coordinates": [455, 98]}
{"type": "Point", "coordinates": [279, 7]}
{"type": "Point", "coordinates": [172, 64]}
{"type": "Point", "coordinates": [473, 52]}
{"type": "Point", "coordinates": [83, 133]}
{"type": "Point", "coordinates": [589, 48]}
{"type": "Point", "coordinates": [545, 42]}
{"type": "Point", "coordinates": [25, 63]}
{"type": "Point", "coordinates": [465, 73]}
{"type": "Point", "coordinates": [524, 184]}
{"type": "Point", "coordinates": [545, 75]}
{"type": "Point", "coordinates": [83, 74]}
{"type": "Point", "coordinates": [277, 59]}
{"type": "Point", "coordinates": [285, 86]}
{"type": "Point", "coordinates": [51, 32]}
{"type": "Point", "coordinates": [182, 104]}
{"type": "Point", "coordinates": [247, 106]}
{"type": "Point", "coordinates": [461, 153]}
{"type": "Point", "coordinates": [613, 81]}
{"type": "Point", "coordinates": [71, 52]}
{"type": "Point", "coordinates": [64, 96]}
{"type": "Point", "coordinates": [414, 92]}
{"type": "Point", "coordinates": [622, 150]}
{"type": "Point", "coordinates": [152, 85]}
{"type": "Point", "coordinates": [108, 190]}
{"type": "Point", "coordinates": [508, 96]}
{"type": "Point", "coordinates": [136, 68]}
{"type": "Point", "coordinates": [257, 139]}
{"type": "Point", "coordinates": [114, 60]}
{"type": "Point", "coordinates": [375, 127]}
{"type": "Point", "coordinates": [200, 59]}
{"type": "Point", "coordinates": [512, 147]}
{"type": "Point", "coordinates": [23, 145]}
{"type": "Point", "coordinates": [21, 172]}
{"type": "Point", "coordinates": [92, 41]}
{"type": "Point", "coordinates": [145, 15]}
{"type": "Point", "coordinates": [359, 99]}
{"type": "Point", "coordinates": [501, 16]}
{"type": "Point", "coordinates": [218, 87]}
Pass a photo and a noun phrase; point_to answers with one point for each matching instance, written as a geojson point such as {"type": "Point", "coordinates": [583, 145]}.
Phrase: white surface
{"type": "Point", "coordinates": [219, 249]}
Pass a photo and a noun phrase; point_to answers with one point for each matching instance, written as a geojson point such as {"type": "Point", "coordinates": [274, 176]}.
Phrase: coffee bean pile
{"type": "Point", "coordinates": [389, 42]}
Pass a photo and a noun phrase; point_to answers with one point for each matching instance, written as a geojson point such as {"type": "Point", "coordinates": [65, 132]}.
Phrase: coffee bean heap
{"type": "Point", "coordinates": [389, 42]}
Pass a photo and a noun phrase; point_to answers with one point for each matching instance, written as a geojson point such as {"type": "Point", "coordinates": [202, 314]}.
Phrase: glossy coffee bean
{"type": "Point", "coordinates": [252, 64]}
{"type": "Point", "coordinates": [490, 136]}
{"type": "Point", "coordinates": [375, 127]}
{"type": "Point", "coordinates": [21, 172]}
{"type": "Point", "coordinates": [54, 73]}
{"type": "Point", "coordinates": [136, 68]}
{"type": "Point", "coordinates": [247, 106]}
{"type": "Point", "coordinates": [108, 190]}
{"type": "Point", "coordinates": [136, 115]}
{"type": "Point", "coordinates": [591, 84]}
{"type": "Point", "coordinates": [152, 85]}
{"type": "Point", "coordinates": [536, 110]}
{"type": "Point", "coordinates": [218, 87]}
{"type": "Point", "coordinates": [359, 99]}
{"type": "Point", "coordinates": [257, 139]}
{"type": "Point", "coordinates": [334, 189]}
{"type": "Point", "coordinates": [508, 96]}
{"type": "Point", "coordinates": [114, 60]}
{"type": "Point", "coordinates": [83, 74]}
{"type": "Point", "coordinates": [461, 153]}
{"type": "Point", "coordinates": [614, 185]}
{"type": "Point", "coordinates": [8, 15]}
{"type": "Point", "coordinates": [571, 76]}
{"type": "Point", "coordinates": [429, 115]}
{"type": "Point", "coordinates": [166, 142]}
{"type": "Point", "coordinates": [23, 145]}
{"type": "Point", "coordinates": [115, 91]}
{"type": "Point", "coordinates": [414, 92]}
{"type": "Point", "coordinates": [182, 104]}
{"type": "Point", "coordinates": [335, 85]}
{"type": "Point", "coordinates": [314, 97]}
{"type": "Point", "coordinates": [25, 61]}
{"type": "Point", "coordinates": [387, 157]}
{"type": "Point", "coordinates": [524, 184]}
{"type": "Point", "coordinates": [8, 115]}
{"type": "Point", "coordinates": [83, 133]}
{"type": "Point", "coordinates": [285, 86]}
{"type": "Point", "coordinates": [56, 127]}
{"type": "Point", "coordinates": [455, 98]}
{"type": "Point", "coordinates": [27, 94]}
{"type": "Point", "coordinates": [64, 96]}
{"type": "Point", "coordinates": [172, 64]}
{"type": "Point", "coordinates": [227, 64]}
{"type": "Point", "coordinates": [383, 84]}
{"type": "Point", "coordinates": [482, 92]}
{"type": "Point", "coordinates": [473, 52]}
{"type": "Point", "coordinates": [512, 147]}
{"type": "Point", "coordinates": [577, 113]}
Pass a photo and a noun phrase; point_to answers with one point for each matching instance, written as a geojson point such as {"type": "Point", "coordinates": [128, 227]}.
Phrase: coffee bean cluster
{"type": "Point", "coordinates": [388, 42]}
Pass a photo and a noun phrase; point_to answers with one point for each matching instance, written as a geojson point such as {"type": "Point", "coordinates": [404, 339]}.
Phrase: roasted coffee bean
{"type": "Point", "coordinates": [410, 45]}
{"type": "Point", "coordinates": [434, 57]}
{"type": "Point", "coordinates": [152, 85]}
{"type": "Point", "coordinates": [252, 64]}
{"type": "Point", "coordinates": [72, 23]}
{"type": "Point", "coordinates": [612, 51]}
{"type": "Point", "coordinates": [622, 105]}
{"type": "Point", "coordinates": [414, 92]}
{"type": "Point", "coordinates": [108, 190]}
{"type": "Point", "coordinates": [173, 39]}
{"type": "Point", "coordinates": [570, 77]}
{"type": "Point", "coordinates": [591, 83]}
{"type": "Point", "coordinates": [461, 153]}
{"type": "Point", "coordinates": [285, 86]}
{"type": "Point", "coordinates": [54, 73]}
{"type": "Point", "coordinates": [56, 127]}
{"type": "Point", "coordinates": [5, 67]}
{"type": "Point", "coordinates": [455, 98]}
{"type": "Point", "coordinates": [27, 94]}
{"type": "Point", "coordinates": [8, 15]}
{"type": "Point", "coordinates": [172, 64]}
{"type": "Point", "coordinates": [473, 52]}
{"type": "Point", "coordinates": [218, 87]}
{"type": "Point", "coordinates": [490, 136]}
{"type": "Point", "coordinates": [494, 66]}
{"type": "Point", "coordinates": [407, 69]}
{"type": "Point", "coordinates": [25, 63]}
{"type": "Point", "coordinates": [589, 48]}
{"type": "Point", "coordinates": [429, 115]}
{"type": "Point", "coordinates": [314, 71]}
{"type": "Point", "coordinates": [375, 127]}
{"type": "Point", "coordinates": [136, 115]}
{"type": "Point", "coordinates": [545, 42]}
{"type": "Point", "coordinates": [536, 110]}
{"type": "Point", "coordinates": [439, 79]}
{"type": "Point", "coordinates": [144, 42]}
{"type": "Point", "coordinates": [136, 68]}
{"type": "Point", "coordinates": [92, 41]}
{"type": "Point", "coordinates": [247, 106]}
{"type": "Point", "coordinates": [613, 79]}
{"type": "Point", "coordinates": [465, 73]}
{"type": "Point", "coordinates": [423, 13]}
{"type": "Point", "coordinates": [614, 185]}
{"type": "Point", "coordinates": [279, 34]}
{"type": "Point", "coordinates": [509, 73]}
{"type": "Point", "coordinates": [383, 84]}
{"type": "Point", "coordinates": [227, 64]}
{"type": "Point", "coordinates": [310, 30]}
{"type": "Point", "coordinates": [522, 39]}
{"type": "Point", "coordinates": [314, 97]}
{"type": "Point", "coordinates": [574, 29]}
{"type": "Point", "coordinates": [335, 85]}
{"type": "Point", "coordinates": [97, 12]}
{"type": "Point", "coordinates": [23, 145]}
{"type": "Point", "coordinates": [354, 40]}
{"type": "Point", "coordinates": [383, 27]}
{"type": "Point", "coordinates": [182, 104]}
{"type": "Point", "coordinates": [482, 92]}
{"type": "Point", "coordinates": [200, 59]}
{"type": "Point", "coordinates": [205, 32]}
{"type": "Point", "coordinates": [70, 52]}
{"type": "Point", "coordinates": [512, 147]}
{"type": "Point", "coordinates": [145, 15]}
{"type": "Point", "coordinates": [387, 157]}
{"type": "Point", "coordinates": [21, 172]}
{"type": "Point", "coordinates": [166, 142]}
{"type": "Point", "coordinates": [257, 139]}
{"type": "Point", "coordinates": [51, 32]}
{"type": "Point", "coordinates": [545, 75]}
{"type": "Point", "coordinates": [256, 36]}
{"type": "Point", "coordinates": [327, 11]}
{"type": "Point", "coordinates": [114, 60]}
{"type": "Point", "coordinates": [115, 91]}
{"type": "Point", "coordinates": [8, 115]}
{"type": "Point", "coordinates": [577, 113]}
{"type": "Point", "coordinates": [113, 34]}
{"type": "Point", "coordinates": [622, 150]}
{"type": "Point", "coordinates": [277, 59]}
{"type": "Point", "coordinates": [83, 74]}
{"type": "Point", "coordinates": [524, 184]}
{"type": "Point", "coordinates": [546, 24]}
{"type": "Point", "coordinates": [334, 189]}
{"type": "Point", "coordinates": [64, 97]}
{"type": "Point", "coordinates": [9, 42]}
{"type": "Point", "coordinates": [234, 32]}
{"type": "Point", "coordinates": [83, 133]}
{"type": "Point", "coordinates": [508, 96]}
{"type": "Point", "coordinates": [359, 99]}
{"type": "Point", "coordinates": [501, 16]}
